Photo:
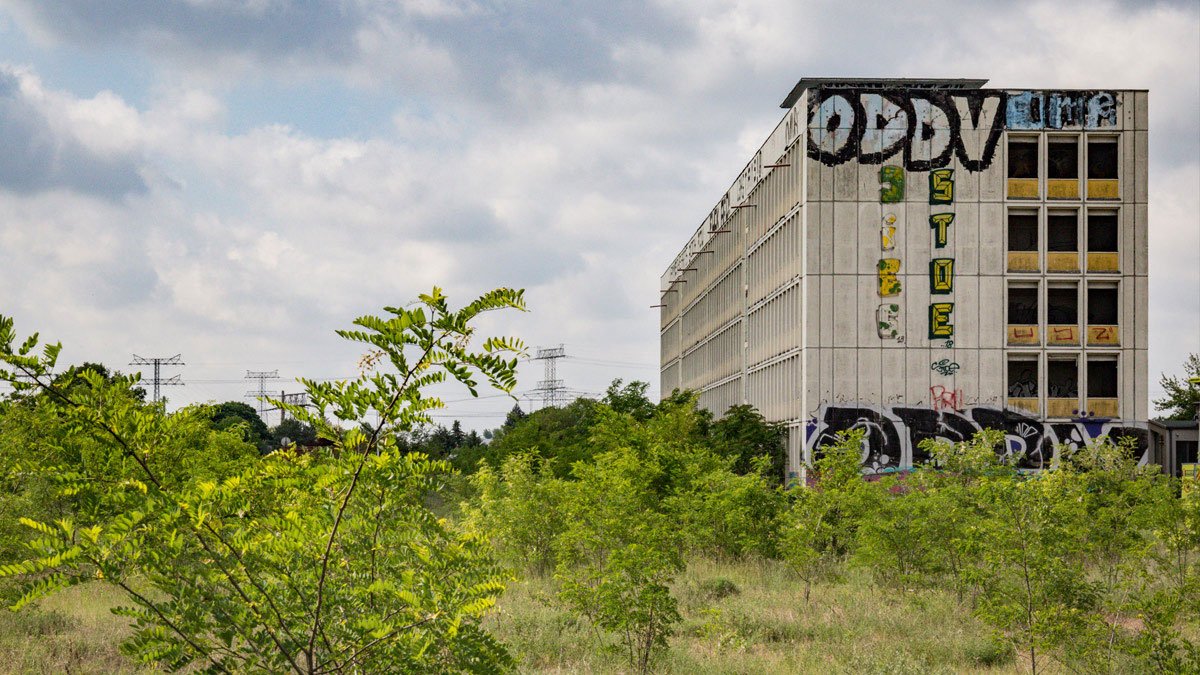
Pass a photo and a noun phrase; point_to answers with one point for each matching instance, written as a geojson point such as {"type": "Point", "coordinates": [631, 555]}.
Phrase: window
{"type": "Point", "coordinates": [1023, 305]}
{"type": "Point", "coordinates": [1022, 378]}
{"type": "Point", "coordinates": [1062, 231]}
{"type": "Point", "coordinates": [1102, 158]}
{"type": "Point", "coordinates": [1062, 158]}
{"type": "Point", "coordinates": [1102, 232]}
{"type": "Point", "coordinates": [1062, 379]}
{"type": "Point", "coordinates": [1062, 305]}
{"type": "Point", "coordinates": [1102, 378]}
{"type": "Point", "coordinates": [1022, 157]}
{"type": "Point", "coordinates": [1102, 306]}
{"type": "Point", "coordinates": [1022, 232]}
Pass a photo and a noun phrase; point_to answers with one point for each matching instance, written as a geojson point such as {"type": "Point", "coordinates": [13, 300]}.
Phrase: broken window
{"type": "Point", "coordinates": [1101, 232]}
{"type": "Point", "coordinates": [1023, 305]}
{"type": "Point", "coordinates": [1102, 378]}
{"type": "Point", "coordinates": [1102, 306]}
{"type": "Point", "coordinates": [1102, 158]}
{"type": "Point", "coordinates": [1022, 232]}
{"type": "Point", "coordinates": [1062, 231]}
{"type": "Point", "coordinates": [1022, 157]}
{"type": "Point", "coordinates": [1062, 305]}
{"type": "Point", "coordinates": [1022, 378]}
{"type": "Point", "coordinates": [1062, 378]}
{"type": "Point", "coordinates": [1062, 158]}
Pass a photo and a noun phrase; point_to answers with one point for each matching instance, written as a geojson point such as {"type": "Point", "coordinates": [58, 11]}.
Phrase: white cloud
{"type": "Point", "coordinates": [568, 153]}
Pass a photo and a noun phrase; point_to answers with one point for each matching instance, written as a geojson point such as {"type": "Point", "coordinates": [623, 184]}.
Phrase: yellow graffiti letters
{"type": "Point", "coordinates": [940, 224]}
{"type": "Point", "coordinates": [939, 320]}
{"type": "Point", "coordinates": [889, 284]}
{"type": "Point", "coordinates": [941, 276]}
{"type": "Point", "coordinates": [941, 186]}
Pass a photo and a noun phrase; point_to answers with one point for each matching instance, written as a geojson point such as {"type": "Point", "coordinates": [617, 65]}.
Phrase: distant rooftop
{"type": "Point", "coordinates": [876, 83]}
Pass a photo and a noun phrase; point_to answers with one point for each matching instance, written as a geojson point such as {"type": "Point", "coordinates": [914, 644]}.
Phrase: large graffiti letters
{"type": "Point", "coordinates": [928, 129]}
{"type": "Point", "coordinates": [893, 435]}
{"type": "Point", "coordinates": [872, 127]}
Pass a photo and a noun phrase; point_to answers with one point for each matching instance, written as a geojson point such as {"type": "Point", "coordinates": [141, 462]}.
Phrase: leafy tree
{"type": "Point", "coordinates": [1182, 395]}
{"type": "Point", "coordinates": [71, 378]}
{"type": "Point", "coordinates": [1036, 590]}
{"type": "Point", "coordinates": [823, 518]}
{"type": "Point", "coordinates": [521, 507]}
{"type": "Point", "coordinates": [619, 554]}
{"type": "Point", "coordinates": [236, 414]}
{"type": "Point", "coordinates": [560, 435]}
{"type": "Point", "coordinates": [305, 563]}
{"type": "Point", "coordinates": [629, 399]}
{"type": "Point", "coordinates": [744, 435]}
{"type": "Point", "coordinates": [293, 431]}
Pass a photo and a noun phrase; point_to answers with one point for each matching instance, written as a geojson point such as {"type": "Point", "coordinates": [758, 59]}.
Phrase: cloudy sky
{"type": "Point", "coordinates": [233, 179]}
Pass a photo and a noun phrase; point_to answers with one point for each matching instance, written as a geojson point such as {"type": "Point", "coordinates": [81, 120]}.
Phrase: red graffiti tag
{"type": "Point", "coordinates": [942, 398]}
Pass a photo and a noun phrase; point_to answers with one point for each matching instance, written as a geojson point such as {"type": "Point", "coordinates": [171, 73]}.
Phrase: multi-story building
{"type": "Point", "coordinates": [925, 258]}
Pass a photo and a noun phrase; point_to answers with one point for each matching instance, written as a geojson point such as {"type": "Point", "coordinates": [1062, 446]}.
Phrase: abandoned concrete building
{"type": "Point", "coordinates": [925, 258]}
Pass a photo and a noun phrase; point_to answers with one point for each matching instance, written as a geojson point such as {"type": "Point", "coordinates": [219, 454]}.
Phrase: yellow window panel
{"type": "Point", "coordinates": [1022, 188]}
{"type": "Point", "coordinates": [1058, 261]}
{"type": "Point", "coordinates": [1062, 188]}
{"type": "Point", "coordinates": [1103, 188]}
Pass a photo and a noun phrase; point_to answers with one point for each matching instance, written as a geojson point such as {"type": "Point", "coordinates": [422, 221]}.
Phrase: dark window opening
{"type": "Point", "coordinates": [1063, 159]}
{"type": "Point", "coordinates": [1023, 306]}
{"type": "Point", "coordinates": [1062, 306]}
{"type": "Point", "coordinates": [1022, 159]}
{"type": "Point", "coordinates": [1022, 379]}
{"type": "Point", "coordinates": [1102, 306]}
{"type": "Point", "coordinates": [1102, 159]}
{"type": "Point", "coordinates": [1102, 232]}
{"type": "Point", "coordinates": [1022, 232]}
{"type": "Point", "coordinates": [1102, 379]}
{"type": "Point", "coordinates": [1062, 379]}
{"type": "Point", "coordinates": [1062, 232]}
{"type": "Point", "coordinates": [1187, 452]}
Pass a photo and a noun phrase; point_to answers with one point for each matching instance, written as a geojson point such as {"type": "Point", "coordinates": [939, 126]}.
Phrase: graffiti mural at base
{"type": "Point", "coordinates": [893, 435]}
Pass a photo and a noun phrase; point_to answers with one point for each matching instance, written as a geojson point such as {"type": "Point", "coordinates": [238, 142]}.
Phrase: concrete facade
{"type": "Point", "coordinates": [923, 259]}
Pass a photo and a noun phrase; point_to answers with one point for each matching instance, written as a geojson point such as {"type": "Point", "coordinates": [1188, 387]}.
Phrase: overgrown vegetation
{"type": "Point", "coordinates": [642, 536]}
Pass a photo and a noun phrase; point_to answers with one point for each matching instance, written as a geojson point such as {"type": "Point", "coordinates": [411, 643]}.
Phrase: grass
{"type": "Point", "coordinates": [69, 632]}
{"type": "Point", "coordinates": [738, 618]}
{"type": "Point", "coordinates": [751, 618]}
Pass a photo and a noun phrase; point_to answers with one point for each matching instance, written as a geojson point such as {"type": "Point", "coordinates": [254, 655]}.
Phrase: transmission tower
{"type": "Point", "coordinates": [551, 387]}
{"type": "Point", "coordinates": [158, 362]}
{"type": "Point", "coordinates": [300, 399]}
{"type": "Point", "coordinates": [263, 376]}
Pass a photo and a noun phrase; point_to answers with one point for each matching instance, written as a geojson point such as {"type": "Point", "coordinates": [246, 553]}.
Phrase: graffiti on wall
{"type": "Point", "coordinates": [928, 129]}
{"type": "Point", "coordinates": [940, 224]}
{"type": "Point", "coordinates": [887, 232]}
{"type": "Point", "coordinates": [893, 434]}
{"type": "Point", "coordinates": [888, 318]}
{"type": "Point", "coordinates": [945, 367]}
{"type": "Point", "coordinates": [887, 315]}
{"type": "Point", "coordinates": [891, 184]}
{"type": "Point", "coordinates": [941, 186]}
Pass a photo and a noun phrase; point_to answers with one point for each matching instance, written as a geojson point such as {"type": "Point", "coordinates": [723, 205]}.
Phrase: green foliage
{"type": "Point", "coordinates": [743, 435]}
{"type": "Point", "coordinates": [521, 506]}
{"type": "Point", "coordinates": [240, 416]}
{"type": "Point", "coordinates": [820, 525]}
{"type": "Point", "coordinates": [629, 399]}
{"type": "Point", "coordinates": [1181, 397]}
{"type": "Point", "coordinates": [558, 435]}
{"type": "Point", "coordinates": [619, 553]}
{"type": "Point", "coordinates": [283, 564]}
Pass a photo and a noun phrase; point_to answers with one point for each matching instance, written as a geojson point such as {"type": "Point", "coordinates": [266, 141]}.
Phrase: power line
{"type": "Point", "coordinates": [158, 362]}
